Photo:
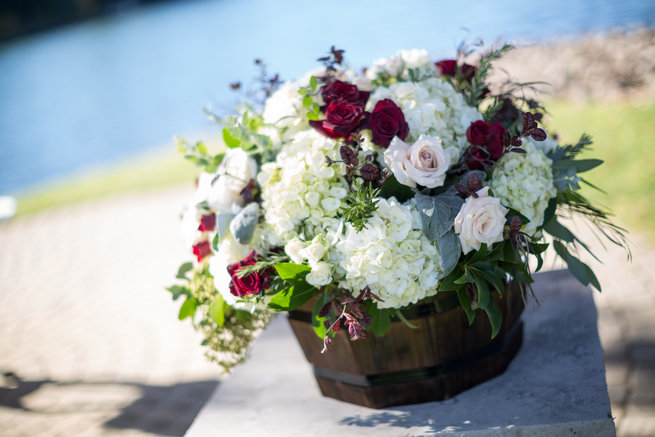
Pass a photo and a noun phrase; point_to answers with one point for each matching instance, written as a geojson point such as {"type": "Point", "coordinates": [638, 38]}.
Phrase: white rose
{"type": "Point", "coordinates": [321, 274]}
{"type": "Point", "coordinates": [424, 163]}
{"type": "Point", "coordinates": [294, 249]}
{"type": "Point", "coordinates": [480, 221]}
{"type": "Point", "coordinates": [315, 251]}
{"type": "Point", "coordinates": [223, 189]}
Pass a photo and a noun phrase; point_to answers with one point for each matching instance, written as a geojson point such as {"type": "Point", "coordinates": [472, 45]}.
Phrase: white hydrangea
{"type": "Point", "coordinates": [391, 256]}
{"type": "Point", "coordinates": [301, 194]}
{"type": "Point", "coordinates": [398, 65]}
{"type": "Point", "coordinates": [284, 108]}
{"type": "Point", "coordinates": [432, 107]}
{"type": "Point", "coordinates": [524, 182]}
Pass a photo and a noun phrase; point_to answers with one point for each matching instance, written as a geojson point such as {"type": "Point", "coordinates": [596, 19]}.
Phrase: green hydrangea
{"type": "Point", "coordinates": [524, 182]}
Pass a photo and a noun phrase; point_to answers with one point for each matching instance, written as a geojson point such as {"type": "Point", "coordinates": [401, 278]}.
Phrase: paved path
{"type": "Point", "coordinates": [96, 348]}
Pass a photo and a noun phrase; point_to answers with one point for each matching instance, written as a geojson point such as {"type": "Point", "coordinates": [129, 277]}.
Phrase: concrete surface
{"type": "Point", "coordinates": [97, 349]}
{"type": "Point", "coordinates": [554, 386]}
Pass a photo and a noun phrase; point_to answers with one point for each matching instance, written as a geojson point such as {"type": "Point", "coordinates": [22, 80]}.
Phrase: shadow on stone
{"type": "Point", "coordinates": [163, 410]}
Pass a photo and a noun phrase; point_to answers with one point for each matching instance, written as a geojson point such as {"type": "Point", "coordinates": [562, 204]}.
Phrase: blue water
{"type": "Point", "coordinates": [111, 88]}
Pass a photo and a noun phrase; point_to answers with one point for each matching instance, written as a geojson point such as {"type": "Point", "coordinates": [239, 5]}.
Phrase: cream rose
{"type": "Point", "coordinates": [320, 275]}
{"type": "Point", "coordinates": [480, 220]}
{"type": "Point", "coordinates": [223, 189]}
{"type": "Point", "coordinates": [424, 163]}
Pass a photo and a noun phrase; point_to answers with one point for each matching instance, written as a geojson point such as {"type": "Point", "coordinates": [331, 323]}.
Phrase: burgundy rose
{"type": "Point", "coordinates": [494, 142]}
{"type": "Point", "coordinates": [339, 91]}
{"type": "Point", "coordinates": [201, 250]}
{"type": "Point", "coordinates": [253, 283]}
{"type": "Point", "coordinates": [207, 223]}
{"type": "Point", "coordinates": [341, 120]}
{"type": "Point", "coordinates": [448, 68]}
{"type": "Point", "coordinates": [387, 121]}
{"type": "Point", "coordinates": [477, 133]}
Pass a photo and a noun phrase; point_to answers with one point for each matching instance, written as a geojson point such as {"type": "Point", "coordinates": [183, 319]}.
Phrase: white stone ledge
{"type": "Point", "coordinates": [554, 387]}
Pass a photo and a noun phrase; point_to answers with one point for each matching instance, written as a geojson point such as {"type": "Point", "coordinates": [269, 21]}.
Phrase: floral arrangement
{"type": "Point", "coordinates": [371, 191]}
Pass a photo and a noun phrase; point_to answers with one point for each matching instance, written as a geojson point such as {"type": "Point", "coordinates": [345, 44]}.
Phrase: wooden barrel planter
{"type": "Point", "coordinates": [440, 359]}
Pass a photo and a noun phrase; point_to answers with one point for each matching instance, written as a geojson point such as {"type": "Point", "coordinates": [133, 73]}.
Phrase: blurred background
{"type": "Point", "coordinates": [92, 93]}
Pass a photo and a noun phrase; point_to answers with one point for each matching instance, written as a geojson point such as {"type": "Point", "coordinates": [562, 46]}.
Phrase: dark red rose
{"type": "Point", "coordinates": [339, 91]}
{"type": "Point", "coordinates": [448, 68]}
{"type": "Point", "coordinates": [477, 158]}
{"type": "Point", "coordinates": [341, 119]}
{"type": "Point", "coordinates": [477, 133]}
{"type": "Point", "coordinates": [253, 283]}
{"type": "Point", "coordinates": [494, 142]}
{"type": "Point", "coordinates": [202, 249]}
{"type": "Point", "coordinates": [387, 121]}
{"type": "Point", "coordinates": [207, 223]}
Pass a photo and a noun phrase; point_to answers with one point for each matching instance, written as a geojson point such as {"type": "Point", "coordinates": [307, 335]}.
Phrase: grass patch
{"type": "Point", "coordinates": [152, 171]}
{"type": "Point", "coordinates": [623, 137]}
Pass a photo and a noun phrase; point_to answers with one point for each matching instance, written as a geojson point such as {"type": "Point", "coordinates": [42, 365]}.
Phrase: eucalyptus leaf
{"type": "Point", "coordinates": [438, 213]}
{"type": "Point", "coordinates": [244, 223]}
{"type": "Point", "coordinates": [449, 248]}
{"type": "Point", "coordinates": [223, 220]}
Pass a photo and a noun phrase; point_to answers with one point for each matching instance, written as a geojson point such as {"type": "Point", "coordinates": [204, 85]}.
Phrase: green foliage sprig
{"type": "Point", "coordinates": [361, 203]}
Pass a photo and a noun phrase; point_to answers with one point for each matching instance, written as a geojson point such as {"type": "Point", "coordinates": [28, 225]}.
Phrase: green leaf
{"type": "Point", "coordinates": [318, 322]}
{"type": "Point", "coordinates": [188, 308]}
{"type": "Point", "coordinates": [292, 298]}
{"type": "Point", "coordinates": [495, 276]}
{"type": "Point", "coordinates": [307, 101]}
{"type": "Point", "coordinates": [403, 319]}
{"type": "Point", "coordinates": [244, 223]}
{"type": "Point", "coordinates": [230, 139]}
{"type": "Point", "coordinates": [465, 301]}
{"type": "Point", "coordinates": [178, 290]}
{"type": "Point", "coordinates": [580, 165]}
{"type": "Point", "coordinates": [291, 271]}
{"type": "Point", "coordinates": [557, 230]}
{"type": "Point", "coordinates": [495, 317]}
{"type": "Point", "coordinates": [380, 319]}
{"type": "Point", "coordinates": [302, 91]}
{"type": "Point", "coordinates": [201, 147]}
{"type": "Point", "coordinates": [217, 310]}
{"type": "Point", "coordinates": [313, 83]}
{"type": "Point", "coordinates": [483, 293]}
{"type": "Point", "coordinates": [392, 188]}
{"type": "Point", "coordinates": [183, 270]}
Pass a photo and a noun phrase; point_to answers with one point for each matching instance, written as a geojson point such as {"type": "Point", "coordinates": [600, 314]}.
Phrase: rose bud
{"type": "Point", "coordinates": [201, 250]}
